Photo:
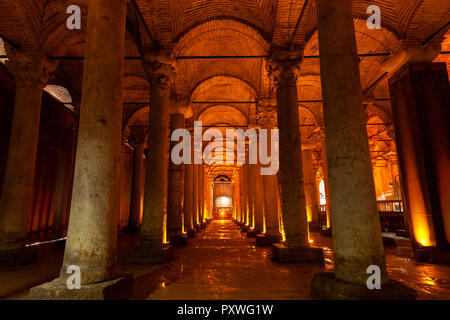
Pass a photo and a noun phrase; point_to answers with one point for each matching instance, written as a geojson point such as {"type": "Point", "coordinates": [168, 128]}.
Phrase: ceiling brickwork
{"type": "Point", "coordinates": [189, 28]}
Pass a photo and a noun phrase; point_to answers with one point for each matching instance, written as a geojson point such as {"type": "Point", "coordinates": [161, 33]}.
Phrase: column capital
{"type": "Point", "coordinates": [160, 70]}
{"type": "Point", "coordinates": [267, 115]}
{"type": "Point", "coordinates": [284, 66]}
{"type": "Point", "coordinates": [30, 69]}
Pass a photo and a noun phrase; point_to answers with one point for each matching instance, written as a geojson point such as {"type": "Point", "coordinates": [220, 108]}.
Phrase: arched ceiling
{"type": "Point", "coordinates": [226, 28]}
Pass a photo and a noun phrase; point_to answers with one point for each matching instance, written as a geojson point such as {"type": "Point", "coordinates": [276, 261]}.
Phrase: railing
{"type": "Point", "coordinates": [391, 215]}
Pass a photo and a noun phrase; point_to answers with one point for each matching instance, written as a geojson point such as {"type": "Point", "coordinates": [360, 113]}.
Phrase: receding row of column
{"type": "Point", "coordinates": [92, 236]}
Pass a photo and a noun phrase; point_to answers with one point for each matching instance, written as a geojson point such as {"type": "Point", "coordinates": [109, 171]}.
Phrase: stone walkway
{"type": "Point", "coordinates": [221, 263]}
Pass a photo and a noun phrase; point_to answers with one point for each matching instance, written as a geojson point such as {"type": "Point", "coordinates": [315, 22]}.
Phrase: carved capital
{"type": "Point", "coordinates": [284, 66]}
{"type": "Point", "coordinates": [30, 69]}
{"type": "Point", "coordinates": [267, 113]}
{"type": "Point", "coordinates": [160, 70]}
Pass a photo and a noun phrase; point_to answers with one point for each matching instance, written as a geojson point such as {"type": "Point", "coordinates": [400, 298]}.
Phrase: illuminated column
{"type": "Point", "coordinates": [310, 187]}
{"type": "Point", "coordinates": [92, 236]}
{"type": "Point", "coordinates": [267, 120]}
{"type": "Point", "coordinates": [196, 211]}
{"type": "Point", "coordinates": [189, 200]}
{"type": "Point", "coordinates": [175, 190]}
{"type": "Point", "coordinates": [283, 67]}
{"type": "Point", "coordinates": [420, 98]}
{"type": "Point", "coordinates": [250, 193]}
{"type": "Point", "coordinates": [327, 231]}
{"type": "Point", "coordinates": [246, 212]}
{"type": "Point", "coordinates": [153, 247]}
{"type": "Point", "coordinates": [201, 203]}
{"type": "Point", "coordinates": [357, 242]}
{"type": "Point", "coordinates": [31, 73]}
{"type": "Point", "coordinates": [257, 200]}
{"type": "Point", "coordinates": [138, 190]}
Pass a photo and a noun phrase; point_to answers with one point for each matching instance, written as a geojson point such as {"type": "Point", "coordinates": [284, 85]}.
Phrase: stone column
{"type": "Point", "coordinates": [420, 95]}
{"type": "Point", "coordinates": [31, 72]}
{"type": "Point", "coordinates": [137, 189]}
{"type": "Point", "coordinates": [189, 200]}
{"type": "Point", "coordinates": [196, 212]}
{"type": "Point", "coordinates": [153, 247]}
{"type": "Point", "coordinates": [326, 232]}
{"type": "Point", "coordinates": [356, 229]}
{"type": "Point", "coordinates": [92, 236]}
{"type": "Point", "coordinates": [267, 120]}
{"type": "Point", "coordinates": [201, 198]}
{"type": "Point", "coordinates": [256, 190]}
{"type": "Point", "coordinates": [284, 67]}
{"type": "Point", "coordinates": [310, 189]}
{"type": "Point", "coordinates": [176, 191]}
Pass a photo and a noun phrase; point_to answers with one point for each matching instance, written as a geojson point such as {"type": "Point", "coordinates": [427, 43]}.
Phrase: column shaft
{"type": "Point", "coordinates": [355, 221]}
{"type": "Point", "coordinates": [30, 76]}
{"type": "Point", "coordinates": [92, 235]}
{"type": "Point", "coordinates": [138, 190]}
{"type": "Point", "coordinates": [176, 186]}
{"type": "Point", "coordinates": [310, 186]}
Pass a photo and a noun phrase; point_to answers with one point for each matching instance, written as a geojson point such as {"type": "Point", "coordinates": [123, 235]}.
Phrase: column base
{"type": "Point", "coordinates": [245, 228]}
{"type": "Point", "coordinates": [131, 229]}
{"type": "Point", "coordinates": [190, 233]}
{"type": "Point", "coordinates": [325, 286]}
{"type": "Point", "coordinates": [282, 253]}
{"type": "Point", "coordinates": [116, 289]}
{"type": "Point", "coordinates": [432, 255]}
{"type": "Point", "coordinates": [178, 240]}
{"type": "Point", "coordinates": [151, 255]}
{"type": "Point", "coordinates": [267, 240]}
{"type": "Point", "coordinates": [197, 228]}
{"type": "Point", "coordinates": [252, 233]}
{"type": "Point", "coordinates": [18, 257]}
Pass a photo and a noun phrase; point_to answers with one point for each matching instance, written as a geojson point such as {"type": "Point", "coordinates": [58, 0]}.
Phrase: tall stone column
{"type": "Point", "coordinates": [154, 248]}
{"type": "Point", "coordinates": [420, 95]}
{"type": "Point", "coordinates": [267, 120]}
{"type": "Point", "coordinates": [201, 190]}
{"type": "Point", "coordinates": [137, 188]}
{"type": "Point", "coordinates": [189, 200]}
{"type": "Point", "coordinates": [284, 67]}
{"type": "Point", "coordinates": [256, 190]}
{"type": "Point", "coordinates": [176, 191]}
{"type": "Point", "coordinates": [310, 187]}
{"type": "Point", "coordinates": [196, 212]}
{"type": "Point", "coordinates": [31, 72]}
{"type": "Point", "coordinates": [356, 229]}
{"type": "Point", "coordinates": [92, 236]}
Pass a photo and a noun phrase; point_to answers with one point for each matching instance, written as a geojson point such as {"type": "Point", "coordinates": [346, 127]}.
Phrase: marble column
{"type": "Point", "coordinates": [310, 188]}
{"type": "Point", "coordinates": [257, 199]}
{"type": "Point", "coordinates": [189, 200]}
{"type": "Point", "coordinates": [137, 192]}
{"type": "Point", "coordinates": [356, 232]}
{"type": "Point", "coordinates": [31, 72]}
{"type": "Point", "coordinates": [200, 196]}
{"type": "Point", "coordinates": [267, 120]}
{"type": "Point", "coordinates": [92, 236]}
{"type": "Point", "coordinates": [160, 71]}
{"type": "Point", "coordinates": [176, 191]}
{"type": "Point", "coordinates": [284, 68]}
{"type": "Point", "coordinates": [196, 212]}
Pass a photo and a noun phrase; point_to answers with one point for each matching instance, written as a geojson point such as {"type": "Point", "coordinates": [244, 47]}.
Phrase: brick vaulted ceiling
{"type": "Point", "coordinates": [227, 28]}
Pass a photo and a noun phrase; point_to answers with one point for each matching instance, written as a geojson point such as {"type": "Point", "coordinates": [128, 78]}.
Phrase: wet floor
{"type": "Point", "coordinates": [221, 263]}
